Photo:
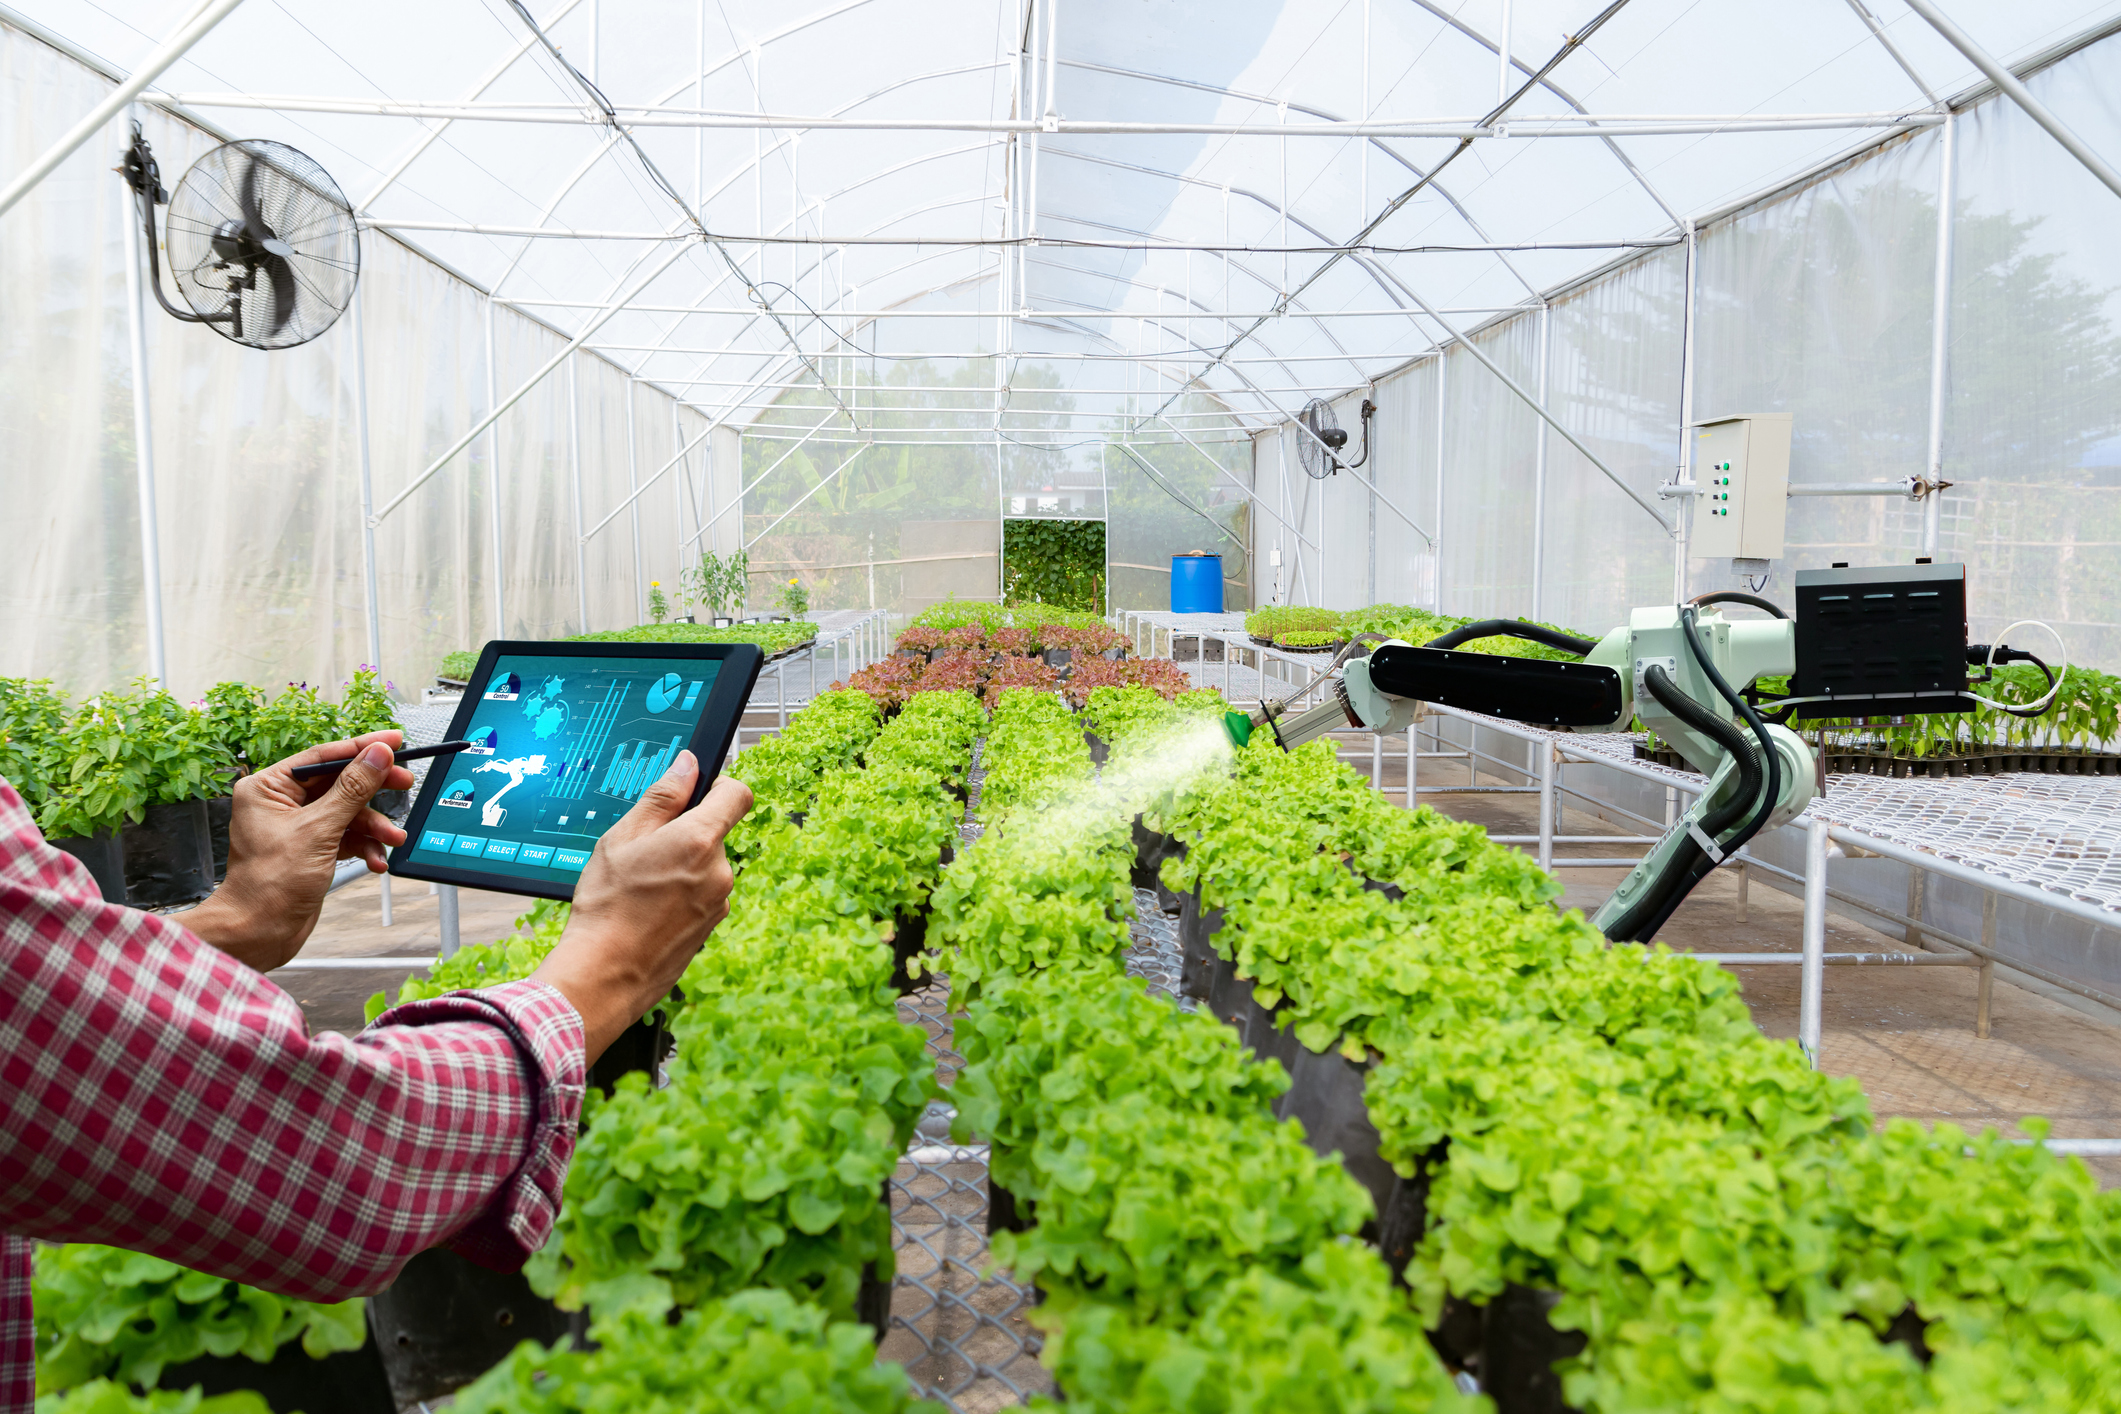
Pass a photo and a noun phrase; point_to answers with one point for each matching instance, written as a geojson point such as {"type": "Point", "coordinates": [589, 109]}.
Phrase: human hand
{"type": "Point", "coordinates": [656, 886]}
{"type": "Point", "coordinates": [285, 835]}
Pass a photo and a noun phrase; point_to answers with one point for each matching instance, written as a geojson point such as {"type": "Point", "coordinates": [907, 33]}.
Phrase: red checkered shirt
{"type": "Point", "coordinates": [157, 1095]}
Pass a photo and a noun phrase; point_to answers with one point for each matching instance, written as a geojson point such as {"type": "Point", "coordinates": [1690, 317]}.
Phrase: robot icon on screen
{"type": "Point", "coordinates": [517, 769]}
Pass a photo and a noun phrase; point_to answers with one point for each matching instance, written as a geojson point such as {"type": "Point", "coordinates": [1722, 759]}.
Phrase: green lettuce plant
{"type": "Point", "coordinates": [1330, 1336]}
{"type": "Point", "coordinates": [754, 1352]}
{"type": "Point", "coordinates": [105, 1312]}
{"type": "Point", "coordinates": [104, 1397]}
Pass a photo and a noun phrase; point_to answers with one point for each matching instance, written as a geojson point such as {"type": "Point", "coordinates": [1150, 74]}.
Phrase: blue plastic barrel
{"type": "Point", "coordinates": [1196, 584]}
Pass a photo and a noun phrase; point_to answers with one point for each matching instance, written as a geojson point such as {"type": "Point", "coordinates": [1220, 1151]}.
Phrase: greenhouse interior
{"type": "Point", "coordinates": [1343, 706]}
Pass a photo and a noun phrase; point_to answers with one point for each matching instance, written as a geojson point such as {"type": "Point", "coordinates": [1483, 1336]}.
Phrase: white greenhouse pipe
{"type": "Point", "coordinates": [2018, 93]}
{"type": "Point", "coordinates": [681, 244]}
{"type": "Point", "coordinates": [1596, 125]}
{"type": "Point", "coordinates": [1534, 404]}
{"type": "Point", "coordinates": [116, 101]}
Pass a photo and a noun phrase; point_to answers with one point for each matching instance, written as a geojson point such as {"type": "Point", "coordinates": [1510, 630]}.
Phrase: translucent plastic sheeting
{"type": "Point", "coordinates": [1816, 301]}
{"type": "Point", "coordinates": [2033, 432]}
{"type": "Point", "coordinates": [1613, 377]}
{"type": "Point", "coordinates": [257, 456]}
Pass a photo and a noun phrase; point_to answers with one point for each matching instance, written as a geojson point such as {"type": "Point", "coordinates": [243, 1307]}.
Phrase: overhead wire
{"type": "Point", "coordinates": [752, 288]}
{"type": "Point", "coordinates": [1393, 207]}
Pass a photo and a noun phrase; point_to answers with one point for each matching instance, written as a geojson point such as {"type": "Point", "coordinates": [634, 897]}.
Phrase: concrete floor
{"type": "Point", "coordinates": [1906, 1033]}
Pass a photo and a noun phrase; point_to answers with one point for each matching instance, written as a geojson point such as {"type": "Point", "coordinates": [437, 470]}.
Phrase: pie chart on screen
{"type": "Point", "coordinates": [664, 692]}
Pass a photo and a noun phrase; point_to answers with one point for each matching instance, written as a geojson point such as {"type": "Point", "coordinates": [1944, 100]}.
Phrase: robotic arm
{"type": "Point", "coordinates": [1681, 669]}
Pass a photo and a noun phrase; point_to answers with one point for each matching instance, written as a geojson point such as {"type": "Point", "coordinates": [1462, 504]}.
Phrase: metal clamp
{"type": "Point", "coordinates": [1709, 847]}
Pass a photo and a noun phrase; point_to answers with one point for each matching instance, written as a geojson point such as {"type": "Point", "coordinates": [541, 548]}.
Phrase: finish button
{"type": "Point", "coordinates": [572, 860]}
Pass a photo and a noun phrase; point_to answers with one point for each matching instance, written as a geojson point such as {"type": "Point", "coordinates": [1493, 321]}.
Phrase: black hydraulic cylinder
{"type": "Point", "coordinates": [1536, 690]}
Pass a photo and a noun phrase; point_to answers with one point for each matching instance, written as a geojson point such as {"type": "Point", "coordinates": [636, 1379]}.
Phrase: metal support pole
{"type": "Point", "coordinates": [640, 574]}
{"type": "Point", "coordinates": [1745, 881]}
{"type": "Point", "coordinates": [1443, 357]}
{"type": "Point", "coordinates": [1940, 336]}
{"type": "Point", "coordinates": [1546, 804]}
{"type": "Point", "coordinates": [383, 888]}
{"type": "Point", "coordinates": [150, 69]}
{"type": "Point", "coordinates": [685, 503]}
{"type": "Point", "coordinates": [1539, 465]}
{"type": "Point", "coordinates": [144, 450]}
{"type": "Point", "coordinates": [1377, 761]}
{"type": "Point", "coordinates": [780, 694]}
{"type": "Point", "coordinates": [493, 479]}
{"type": "Point", "coordinates": [1684, 473]}
{"type": "Point", "coordinates": [1988, 965]}
{"type": "Point", "coordinates": [1916, 878]}
{"type": "Point", "coordinates": [2017, 92]}
{"type": "Point", "coordinates": [574, 476]}
{"type": "Point", "coordinates": [372, 601]}
{"type": "Point", "coordinates": [447, 894]}
{"type": "Point", "coordinates": [1413, 755]}
{"type": "Point", "coordinates": [1814, 969]}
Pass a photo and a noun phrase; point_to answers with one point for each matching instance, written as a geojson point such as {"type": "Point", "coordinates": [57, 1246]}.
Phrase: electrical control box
{"type": "Point", "coordinates": [1742, 467]}
{"type": "Point", "coordinates": [1884, 641]}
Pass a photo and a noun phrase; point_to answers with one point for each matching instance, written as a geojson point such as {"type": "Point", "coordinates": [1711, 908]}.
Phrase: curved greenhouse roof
{"type": "Point", "coordinates": [851, 289]}
{"type": "Point", "coordinates": [1321, 189]}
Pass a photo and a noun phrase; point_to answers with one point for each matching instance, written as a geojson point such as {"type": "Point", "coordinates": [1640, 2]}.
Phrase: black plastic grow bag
{"type": "Point", "coordinates": [168, 858]}
{"type": "Point", "coordinates": [346, 1382]}
{"type": "Point", "coordinates": [446, 1321]}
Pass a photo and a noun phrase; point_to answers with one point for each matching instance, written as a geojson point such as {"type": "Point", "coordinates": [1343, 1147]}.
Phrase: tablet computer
{"type": "Point", "coordinates": [564, 738]}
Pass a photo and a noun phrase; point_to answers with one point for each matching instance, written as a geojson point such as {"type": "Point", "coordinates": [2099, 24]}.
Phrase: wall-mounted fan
{"type": "Point", "coordinates": [1320, 438]}
{"type": "Point", "coordinates": [262, 244]}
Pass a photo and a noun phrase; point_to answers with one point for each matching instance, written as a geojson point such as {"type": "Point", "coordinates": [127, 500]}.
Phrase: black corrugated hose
{"type": "Point", "coordinates": [1515, 628]}
{"type": "Point", "coordinates": [1640, 923]}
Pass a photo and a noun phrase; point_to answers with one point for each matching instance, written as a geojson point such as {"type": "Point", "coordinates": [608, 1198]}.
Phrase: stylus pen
{"type": "Point", "coordinates": [418, 753]}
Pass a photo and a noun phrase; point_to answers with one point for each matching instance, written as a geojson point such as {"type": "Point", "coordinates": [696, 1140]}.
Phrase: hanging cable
{"type": "Point", "coordinates": [2055, 676]}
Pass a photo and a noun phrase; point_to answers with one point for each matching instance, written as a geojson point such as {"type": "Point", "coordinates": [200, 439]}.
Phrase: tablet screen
{"type": "Point", "coordinates": [560, 748]}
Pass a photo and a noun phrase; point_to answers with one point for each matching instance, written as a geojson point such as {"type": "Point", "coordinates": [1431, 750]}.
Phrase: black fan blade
{"type": "Point", "coordinates": [247, 196]}
{"type": "Point", "coordinates": [283, 291]}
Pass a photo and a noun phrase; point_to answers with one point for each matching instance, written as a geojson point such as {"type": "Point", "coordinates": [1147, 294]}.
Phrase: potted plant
{"type": "Point", "coordinates": [795, 598]}
{"type": "Point", "coordinates": [128, 789]}
{"type": "Point", "coordinates": [232, 710]}
{"type": "Point", "coordinates": [103, 1313]}
{"type": "Point", "coordinates": [366, 706]}
{"type": "Point", "coordinates": [32, 716]}
{"type": "Point", "coordinates": [658, 606]}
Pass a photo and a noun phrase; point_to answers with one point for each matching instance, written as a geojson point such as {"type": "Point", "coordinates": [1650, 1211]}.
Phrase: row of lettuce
{"type": "Point", "coordinates": [1194, 1253]}
{"type": "Point", "coordinates": [720, 1227]}
{"type": "Point", "coordinates": [1724, 1226]}
{"type": "Point", "coordinates": [773, 637]}
{"type": "Point", "coordinates": [92, 766]}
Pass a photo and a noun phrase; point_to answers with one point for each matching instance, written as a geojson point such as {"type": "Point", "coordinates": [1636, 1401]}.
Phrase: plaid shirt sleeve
{"type": "Point", "coordinates": [157, 1095]}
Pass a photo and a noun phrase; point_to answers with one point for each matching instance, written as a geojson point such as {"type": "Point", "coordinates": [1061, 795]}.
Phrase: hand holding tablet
{"type": "Point", "coordinates": [563, 739]}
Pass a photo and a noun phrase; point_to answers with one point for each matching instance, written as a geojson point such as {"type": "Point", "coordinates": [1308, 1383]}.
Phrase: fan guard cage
{"type": "Point", "coordinates": [302, 206]}
{"type": "Point", "coordinates": [1317, 418]}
